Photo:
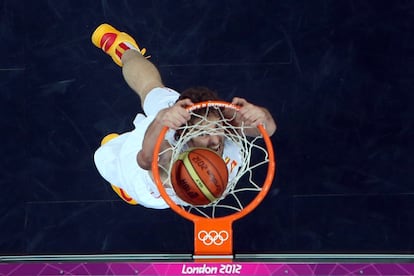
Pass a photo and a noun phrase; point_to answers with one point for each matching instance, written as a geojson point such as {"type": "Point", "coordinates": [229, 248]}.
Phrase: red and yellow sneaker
{"type": "Point", "coordinates": [108, 138]}
{"type": "Point", "coordinates": [114, 42]}
{"type": "Point", "coordinates": [123, 195]}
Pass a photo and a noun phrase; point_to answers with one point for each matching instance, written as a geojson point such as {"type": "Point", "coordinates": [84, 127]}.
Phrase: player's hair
{"type": "Point", "coordinates": [199, 94]}
{"type": "Point", "coordinates": [196, 95]}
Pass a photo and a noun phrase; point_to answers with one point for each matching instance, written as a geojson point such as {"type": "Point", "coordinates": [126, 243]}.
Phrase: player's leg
{"type": "Point", "coordinates": [140, 74]}
{"type": "Point", "coordinates": [119, 191]}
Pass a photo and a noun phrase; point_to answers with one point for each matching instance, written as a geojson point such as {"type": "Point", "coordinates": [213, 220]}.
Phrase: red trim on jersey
{"type": "Point", "coordinates": [233, 165]}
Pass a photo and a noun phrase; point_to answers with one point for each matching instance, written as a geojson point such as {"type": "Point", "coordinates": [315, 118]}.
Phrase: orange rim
{"type": "Point", "coordinates": [213, 236]}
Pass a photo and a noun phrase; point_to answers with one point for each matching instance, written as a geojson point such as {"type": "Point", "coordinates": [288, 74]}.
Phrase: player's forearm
{"type": "Point", "coordinates": [139, 73]}
{"type": "Point", "coordinates": [171, 117]}
{"type": "Point", "coordinates": [265, 118]}
{"type": "Point", "coordinates": [269, 123]}
{"type": "Point", "coordinates": [253, 115]}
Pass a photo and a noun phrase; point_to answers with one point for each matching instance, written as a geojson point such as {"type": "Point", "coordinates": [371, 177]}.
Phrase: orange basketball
{"type": "Point", "coordinates": [199, 176]}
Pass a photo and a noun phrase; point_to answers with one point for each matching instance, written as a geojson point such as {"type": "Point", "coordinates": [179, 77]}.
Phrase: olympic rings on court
{"type": "Point", "coordinates": [213, 237]}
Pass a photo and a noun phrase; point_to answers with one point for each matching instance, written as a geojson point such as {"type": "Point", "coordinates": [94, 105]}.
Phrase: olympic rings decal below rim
{"type": "Point", "coordinates": [213, 237]}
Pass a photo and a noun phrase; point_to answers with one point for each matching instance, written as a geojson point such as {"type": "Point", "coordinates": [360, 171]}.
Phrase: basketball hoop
{"type": "Point", "coordinates": [213, 234]}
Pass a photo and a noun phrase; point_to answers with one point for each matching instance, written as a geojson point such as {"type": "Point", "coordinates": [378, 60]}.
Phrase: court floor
{"type": "Point", "coordinates": [337, 75]}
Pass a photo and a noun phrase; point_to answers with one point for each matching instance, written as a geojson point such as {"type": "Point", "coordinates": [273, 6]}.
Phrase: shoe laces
{"type": "Point", "coordinates": [143, 51]}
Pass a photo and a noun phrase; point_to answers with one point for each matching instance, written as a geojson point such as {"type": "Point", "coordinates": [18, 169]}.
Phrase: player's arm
{"type": "Point", "coordinates": [253, 115]}
{"type": "Point", "coordinates": [172, 117]}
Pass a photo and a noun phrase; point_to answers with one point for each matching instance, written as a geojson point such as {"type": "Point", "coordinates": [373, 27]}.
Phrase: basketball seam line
{"type": "Point", "coordinates": [203, 188]}
{"type": "Point", "coordinates": [223, 178]}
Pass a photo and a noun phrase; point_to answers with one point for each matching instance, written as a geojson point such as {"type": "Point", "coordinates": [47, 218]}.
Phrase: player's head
{"type": "Point", "coordinates": [201, 94]}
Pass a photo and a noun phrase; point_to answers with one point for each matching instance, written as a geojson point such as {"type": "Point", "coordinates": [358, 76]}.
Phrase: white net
{"type": "Point", "coordinates": [249, 154]}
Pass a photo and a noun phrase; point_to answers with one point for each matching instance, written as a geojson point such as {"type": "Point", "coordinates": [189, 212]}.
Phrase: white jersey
{"type": "Point", "coordinates": [116, 160]}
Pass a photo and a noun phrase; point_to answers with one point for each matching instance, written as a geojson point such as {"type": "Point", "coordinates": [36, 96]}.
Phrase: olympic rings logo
{"type": "Point", "coordinates": [213, 237]}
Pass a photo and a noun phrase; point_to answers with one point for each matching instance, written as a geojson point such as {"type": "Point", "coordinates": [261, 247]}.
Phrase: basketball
{"type": "Point", "coordinates": [199, 176]}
